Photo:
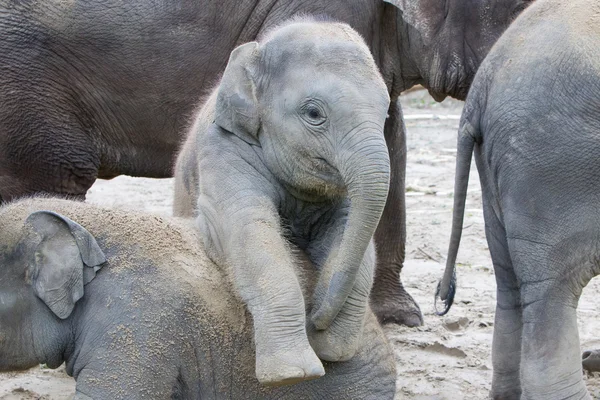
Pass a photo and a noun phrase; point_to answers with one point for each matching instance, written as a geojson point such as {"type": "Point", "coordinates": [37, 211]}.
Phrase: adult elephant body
{"type": "Point", "coordinates": [532, 118]}
{"type": "Point", "coordinates": [97, 89]}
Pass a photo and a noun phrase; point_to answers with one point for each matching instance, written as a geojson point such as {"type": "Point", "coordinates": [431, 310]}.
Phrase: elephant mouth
{"type": "Point", "coordinates": [314, 180]}
{"type": "Point", "coordinates": [317, 182]}
{"type": "Point", "coordinates": [319, 194]}
{"type": "Point", "coordinates": [325, 171]}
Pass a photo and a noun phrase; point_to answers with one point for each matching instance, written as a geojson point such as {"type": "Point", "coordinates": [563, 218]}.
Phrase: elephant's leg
{"type": "Point", "coordinates": [264, 276]}
{"type": "Point", "coordinates": [550, 288]}
{"type": "Point", "coordinates": [550, 355]}
{"type": "Point", "coordinates": [506, 345]}
{"type": "Point", "coordinates": [341, 340]}
{"type": "Point", "coordinates": [283, 353]}
{"type": "Point", "coordinates": [389, 300]}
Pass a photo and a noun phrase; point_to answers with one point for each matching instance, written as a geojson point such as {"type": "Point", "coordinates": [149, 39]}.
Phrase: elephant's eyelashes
{"type": "Point", "coordinates": [313, 113]}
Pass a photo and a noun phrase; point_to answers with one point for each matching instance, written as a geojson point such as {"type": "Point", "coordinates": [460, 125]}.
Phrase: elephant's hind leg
{"type": "Point", "coordinates": [550, 284]}
{"type": "Point", "coordinates": [506, 345]}
{"type": "Point", "coordinates": [550, 359]}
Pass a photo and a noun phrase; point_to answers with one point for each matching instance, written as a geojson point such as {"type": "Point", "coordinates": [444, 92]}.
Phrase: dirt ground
{"type": "Point", "coordinates": [449, 357]}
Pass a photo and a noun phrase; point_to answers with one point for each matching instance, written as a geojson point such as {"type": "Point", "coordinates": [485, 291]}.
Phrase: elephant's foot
{"type": "Point", "coordinates": [340, 341]}
{"type": "Point", "coordinates": [287, 366]}
{"type": "Point", "coordinates": [514, 394]}
{"type": "Point", "coordinates": [332, 347]}
{"type": "Point", "coordinates": [591, 360]}
{"type": "Point", "coordinates": [392, 304]}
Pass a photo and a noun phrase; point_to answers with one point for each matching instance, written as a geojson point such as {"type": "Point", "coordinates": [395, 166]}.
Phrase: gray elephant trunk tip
{"type": "Point", "coordinates": [448, 299]}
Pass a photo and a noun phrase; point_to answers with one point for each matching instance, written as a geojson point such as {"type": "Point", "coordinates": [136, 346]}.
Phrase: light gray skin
{"type": "Point", "coordinates": [134, 307]}
{"type": "Point", "coordinates": [533, 119]}
{"type": "Point", "coordinates": [296, 154]}
{"type": "Point", "coordinates": [98, 89]}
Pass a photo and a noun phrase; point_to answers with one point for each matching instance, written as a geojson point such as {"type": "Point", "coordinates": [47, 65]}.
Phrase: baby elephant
{"type": "Point", "coordinates": [136, 309]}
{"type": "Point", "coordinates": [296, 154]}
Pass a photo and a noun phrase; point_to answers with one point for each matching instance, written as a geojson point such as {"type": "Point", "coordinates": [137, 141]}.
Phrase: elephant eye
{"type": "Point", "coordinates": [313, 114]}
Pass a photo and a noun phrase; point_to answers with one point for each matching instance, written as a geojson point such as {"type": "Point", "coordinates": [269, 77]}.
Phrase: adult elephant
{"type": "Point", "coordinates": [97, 89]}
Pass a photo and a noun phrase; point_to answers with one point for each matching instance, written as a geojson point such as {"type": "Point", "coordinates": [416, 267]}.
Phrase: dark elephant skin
{"type": "Point", "coordinates": [98, 89]}
{"type": "Point", "coordinates": [532, 118]}
{"type": "Point", "coordinates": [136, 309]}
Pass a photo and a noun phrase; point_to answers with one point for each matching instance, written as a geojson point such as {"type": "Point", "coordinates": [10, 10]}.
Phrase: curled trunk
{"type": "Point", "coordinates": [366, 173]}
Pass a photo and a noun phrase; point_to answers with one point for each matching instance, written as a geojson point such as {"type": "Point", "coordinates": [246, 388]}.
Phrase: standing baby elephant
{"type": "Point", "coordinates": [533, 118]}
{"type": "Point", "coordinates": [296, 154]}
{"type": "Point", "coordinates": [136, 310]}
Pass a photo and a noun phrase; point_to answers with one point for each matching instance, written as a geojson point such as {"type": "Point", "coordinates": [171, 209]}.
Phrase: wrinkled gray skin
{"type": "Point", "coordinates": [157, 320]}
{"type": "Point", "coordinates": [532, 117]}
{"type": "Point", "coordinates": [98, 89]}
{"type": "Point", "coordinates": [296, 154]}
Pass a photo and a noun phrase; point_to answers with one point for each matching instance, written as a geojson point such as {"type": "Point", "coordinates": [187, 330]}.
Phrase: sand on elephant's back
{"type": "Point", "coordinates": [159, 259]}
{"type": "Point", "coordinates": [151, 237]}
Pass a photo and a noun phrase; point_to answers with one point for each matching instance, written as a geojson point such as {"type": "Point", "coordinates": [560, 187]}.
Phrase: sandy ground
{"type": "Point", "coordinates": [448, 358]}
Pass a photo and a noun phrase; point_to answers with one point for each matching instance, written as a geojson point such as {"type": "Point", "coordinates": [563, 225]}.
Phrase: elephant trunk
{"type": "Point", "coordinates": [365, 170]}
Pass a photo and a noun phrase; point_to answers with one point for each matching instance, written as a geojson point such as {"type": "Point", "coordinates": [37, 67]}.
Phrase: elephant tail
{"type": "Point", "coordinates": [446, 288]}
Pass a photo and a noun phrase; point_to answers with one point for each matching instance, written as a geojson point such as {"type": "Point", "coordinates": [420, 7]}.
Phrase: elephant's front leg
{"type": "Point", "coordinates": [389, 300]}
{"type": "Point", "coordinates": [264, 276]}
{"type": "Point", "coordinates": [340, 341]}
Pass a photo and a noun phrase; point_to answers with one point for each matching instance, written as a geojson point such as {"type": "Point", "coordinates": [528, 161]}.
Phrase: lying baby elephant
{"type": "Point", "coordinates": [296, 154]}
{"type": "Point", "coordinates": [136, 309]}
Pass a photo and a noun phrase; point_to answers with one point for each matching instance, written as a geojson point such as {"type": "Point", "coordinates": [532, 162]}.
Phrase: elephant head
{"type": "Point", "coordinates": [446, 41]}
{"type": "Point", "coordinates": [45, 262]}
{"type": "Point", "coordinates": [320, 130]}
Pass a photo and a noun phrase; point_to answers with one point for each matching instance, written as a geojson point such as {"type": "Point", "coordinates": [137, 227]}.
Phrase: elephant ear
{"type": "Point", "coordinates": [63, 258]}
{"type": "Point", "coordinates": [425, 16]}
{"type": "Point", "coordinates": [236, 109]}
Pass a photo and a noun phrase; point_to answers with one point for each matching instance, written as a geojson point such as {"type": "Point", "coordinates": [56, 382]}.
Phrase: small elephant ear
{"type": "Point", "coordinates": [425, 16]}
{"type": "Point", "coordinates": [236, 108]}
{"type": "Point", "coordinates": [63, 257]}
